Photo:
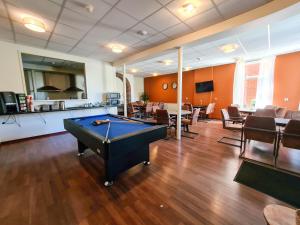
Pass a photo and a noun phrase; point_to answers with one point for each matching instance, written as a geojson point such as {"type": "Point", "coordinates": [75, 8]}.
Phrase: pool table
{"type": "Point", "coordinates": [121, 142]}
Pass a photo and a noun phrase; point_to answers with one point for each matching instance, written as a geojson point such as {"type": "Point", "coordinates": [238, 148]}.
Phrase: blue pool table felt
{"type": "Point", "coordinates": [118, 126]}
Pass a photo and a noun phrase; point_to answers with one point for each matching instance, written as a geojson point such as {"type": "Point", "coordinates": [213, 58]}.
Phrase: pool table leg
{"type": "Point", "coordinates": [81, 148]}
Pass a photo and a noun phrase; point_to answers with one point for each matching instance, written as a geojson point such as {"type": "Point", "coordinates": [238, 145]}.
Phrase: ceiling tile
{"type": "Point", "coordinates": [201, 6]}
{"type": "Point", "coordinates": [127, 39]}
{"type": "Point", "coordinates": [6, 35]}
{"type": "Point", "coordinates": [43, 8]}
{"type": "Point", "coordinates": [76, 20]}
{"type": "Point", "coordinates": [68, 31]}
{"type": "Point", "coordinates": [81, 52]}
{"type": "Point", "coordinates": [100, 8]}
{"type": "Point", "coordinates": [164, 2]}
{"type": "Point", "coordinates": [139, 9]}
{"type": "Point", "coordinates": [118, 20]}
{"type": "Point", "coordinates": [205, 19]}
{"type": "Point", "coordinates": [161, 20]}
{"type": "Point", "coordinates": [63, 40]}
{"type": "Point", "coordinates": [31, 41]}
{"type": "Point", "coordinates": [19, 28]}
{"type": "Point", "coordinates": [142, 27]}
{"type": "Point", "coordinates": [111, 2]}
{"type": "Point", "coordinates": [253, 41]}
{"type": "Point", "coordinates": [2, 9]}
{"type": "Point", "coordinates": [177, 30]}
{"type": "Point", "coordinates": [91, 47]}
{"type": "Point", "coordinates": [4, 23]}
{"type": "Point", "coordinates": [158, 38]}
{"type": "Point", "coordinates": [231, 8]}
{"type": "Point", "coordinates": [58, 47]}
{"type": "Point", "coordinates": [141, 45]}
{"type": "Point", "coordinates": [101, 34]}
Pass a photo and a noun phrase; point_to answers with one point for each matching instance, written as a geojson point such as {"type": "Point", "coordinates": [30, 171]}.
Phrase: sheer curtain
{"type": "Point", "coordinates": [239, 83]}
{"type": "Point", "coordinates": [265, 82]}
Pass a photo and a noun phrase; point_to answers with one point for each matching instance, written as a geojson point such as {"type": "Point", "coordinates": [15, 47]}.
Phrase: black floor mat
{"type": "Point", "coordinates": [280, 185]}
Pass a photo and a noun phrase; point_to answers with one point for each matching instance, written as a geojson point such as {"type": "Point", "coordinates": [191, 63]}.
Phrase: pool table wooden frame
{"type": "Point", "coordinates": [120, 153]}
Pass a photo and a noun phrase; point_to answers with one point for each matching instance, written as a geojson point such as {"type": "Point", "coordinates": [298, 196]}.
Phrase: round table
{"type": "Point", "coordinates": [281, 215]}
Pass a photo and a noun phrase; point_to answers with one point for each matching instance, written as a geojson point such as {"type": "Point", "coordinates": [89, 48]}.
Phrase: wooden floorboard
{"type": "Point", "coordinates": [189, 182]}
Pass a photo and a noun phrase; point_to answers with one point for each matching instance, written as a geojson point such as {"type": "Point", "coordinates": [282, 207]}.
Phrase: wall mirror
{"type": "Point", "coordinates": [53, 79]}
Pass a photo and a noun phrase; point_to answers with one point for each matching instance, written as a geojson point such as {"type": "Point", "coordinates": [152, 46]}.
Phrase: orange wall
{"type": "Point", "coordinates": [287, 81]}
{"type": "Point", "coordinates": [287, 84]}
{"type": "Point", "coordinates": [222, 76]}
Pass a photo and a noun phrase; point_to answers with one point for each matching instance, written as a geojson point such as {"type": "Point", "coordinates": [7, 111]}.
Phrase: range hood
{"type": "Point", "coordinates": [73, 87]}
{"type": "Point", "coordinates": [48, 88]}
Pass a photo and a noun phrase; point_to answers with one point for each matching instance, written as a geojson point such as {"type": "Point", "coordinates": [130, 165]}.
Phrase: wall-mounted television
{"type": "Point", "coordinates": [206, 86]}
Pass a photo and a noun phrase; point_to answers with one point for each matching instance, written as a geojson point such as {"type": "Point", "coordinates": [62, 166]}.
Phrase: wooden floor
{"type": "Point", "coordinates": [189, 182]}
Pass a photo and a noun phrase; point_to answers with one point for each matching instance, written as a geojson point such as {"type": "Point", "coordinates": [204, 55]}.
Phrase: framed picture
{"type": "Point", "coordinates": [165, 86]}
{"type": "Point", "coordinates": [174, 85]}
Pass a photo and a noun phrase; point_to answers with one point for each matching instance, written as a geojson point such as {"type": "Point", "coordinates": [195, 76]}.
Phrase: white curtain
{"type": "Point", "coordinates": [239, 83]}
{"type": "Point", "coordinates": [265, 82]}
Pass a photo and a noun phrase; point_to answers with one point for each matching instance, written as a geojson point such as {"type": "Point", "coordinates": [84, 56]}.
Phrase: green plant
{"type": "Point", "coordinates": [145, 97]}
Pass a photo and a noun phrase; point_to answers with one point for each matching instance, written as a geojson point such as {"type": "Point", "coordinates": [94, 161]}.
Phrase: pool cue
{"type": "Point", "coordinates": [107, 132]}
{"type": "Point", "coordinates": [138, 122]}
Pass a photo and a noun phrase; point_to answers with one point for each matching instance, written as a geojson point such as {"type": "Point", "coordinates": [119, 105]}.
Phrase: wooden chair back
{"type": "Point", "coordinates": [261, 129]}
{"type": "Point", "coordinates": [295, 115]}
{"type": "Point", "coordinates": [195, 116]}
{"type": "Point", "coordinates": [291, 135]}
{"type": "Point", "coordinates": [210, 108]}
{"type": "Point", "coordinates": [233, 112]}
{"type": "Point", "coordinates": [148, 108]}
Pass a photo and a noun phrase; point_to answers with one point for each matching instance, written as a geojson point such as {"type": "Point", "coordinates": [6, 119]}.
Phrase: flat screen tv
{"type": "Point", "coordinates": [206, 86]}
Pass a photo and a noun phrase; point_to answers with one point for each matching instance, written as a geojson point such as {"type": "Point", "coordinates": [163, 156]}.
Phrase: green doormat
{"type": "Point", "coordinates": [280, 185]}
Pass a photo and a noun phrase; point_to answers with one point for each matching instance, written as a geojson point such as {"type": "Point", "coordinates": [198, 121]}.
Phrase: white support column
{"type": "Point", "coordinates": [179, 93]}
{"type": "Point", "coordinates": [124, 90]}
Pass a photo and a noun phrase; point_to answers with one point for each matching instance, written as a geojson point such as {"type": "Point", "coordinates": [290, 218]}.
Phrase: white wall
{"type": "Point", "coordinates": [137, 86]}
{"type": "Point", "coordinates": [100, 76]}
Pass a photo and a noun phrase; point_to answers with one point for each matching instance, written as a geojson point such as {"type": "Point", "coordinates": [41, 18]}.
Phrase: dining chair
{"type": "Point", "coordinates": [161, 105]}
{"type": "Point", "coordinates": [295, 115]}
{"type": "Point", "coordinates": [147, 110]}
{"type": "Point", "coordinates": [235, 115]}
{"type": "Point", "coordinates": [265, 113]}
{"type": "Point", "coordinates": [132, 112]}
{"type": "Point", "coordinates": [229, 125]}
{"type": "Point", "coordinates": [163, 118]}
{"type": "Point", "coordinates": [154, 109]}
{"type": "Point", "coordinates": [290, 137]}
{"type": "Point", "coordinates": [204, 114]}
{"type": "Point", "coordinates": [280, 112]}
{"type": "Point", "coordinates": [260, 129]}
{"type": "Point", "coordinates": [191, 121]}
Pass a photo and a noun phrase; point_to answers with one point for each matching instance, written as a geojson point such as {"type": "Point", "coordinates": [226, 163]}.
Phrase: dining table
{"type": "Point", "coordinates": [175, 112]}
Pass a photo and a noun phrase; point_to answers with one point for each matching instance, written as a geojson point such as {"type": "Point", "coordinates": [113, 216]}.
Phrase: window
{"type": "Point", "coordinates": [251, 73]}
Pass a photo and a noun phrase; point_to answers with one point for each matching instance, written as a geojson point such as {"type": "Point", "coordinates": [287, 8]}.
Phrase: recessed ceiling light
{"type": "Point", "coordinates": [154, 74]}
{"type": "Point", "coordinates": [116, 48]}
{"type": "Point", "coordinates": [187, 68]}
{"type": "Point", "coordinates": [34, 24]}
{"type": "Point", "coordinates": [89, 8]}
{"type": "Point", "coordinates": [166, 62]}
{"type": "Point", "coordinates": [229, 48]}
{"type": "Point", "coordinates": [133, 70]}
{"type": "Point", "coordinates": [188, 7]}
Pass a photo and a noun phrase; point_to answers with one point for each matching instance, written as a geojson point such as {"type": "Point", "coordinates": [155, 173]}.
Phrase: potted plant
{"type": "Point", "coordinates": [145, 97]}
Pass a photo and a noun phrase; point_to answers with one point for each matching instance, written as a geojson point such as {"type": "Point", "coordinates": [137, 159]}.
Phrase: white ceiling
{"type": "Point", "coordinates": [72, 29]}
{"type": "Point", "coordinates": [284, 37]}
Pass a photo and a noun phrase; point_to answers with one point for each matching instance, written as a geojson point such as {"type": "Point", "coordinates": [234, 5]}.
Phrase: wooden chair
{"type": "Point", "coordinates": [187, 106]}
{"type": "Point", "coordinates": [154, 109]}
{"type": "Point", "coordinates": [229, 125]}
{"type": "Point", "coordinates": [265, 113]}
{"type": "Point", "coordinates": [280, 112]}
{"type": "Point", "coordinates": [290, 137]}
{"type": "Point", "coordinates": [261, 129]}
{"type": "Point", "coordinates": [161, 105]}
{"type": "Point", "coordinates": [132, 112]}
{"type": "Point", "coordinates": [192, 121]}
{"type": "Point", "coordinates": [204, 114]}
{"type": "Point", "coordinates": [163, 117]}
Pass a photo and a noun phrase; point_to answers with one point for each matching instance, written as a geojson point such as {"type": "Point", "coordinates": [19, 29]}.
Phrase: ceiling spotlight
{"type": "Point", "coordinates": [133, 70]}
{"type": "Point", "coordinates": [166, 62]}
{"type": "Point", "coordinates": [229, 48]}
{"type": "Point", "coordinates": [116, 48]}
{"type": "Point", "coordinates": [142, 32]}
{"type": "Point", "coordinates": [34, 24]}
{"type": "Point", "coordinates": [188, 7]}
{"type": "Point", "coordinates": [154, 74]}
{"type": "Point", "coordinates": [198, 58]}
{"type": "Point", "coordinates": [89, 8]}
{"type": "Point", "coordinates": [187, 68]}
